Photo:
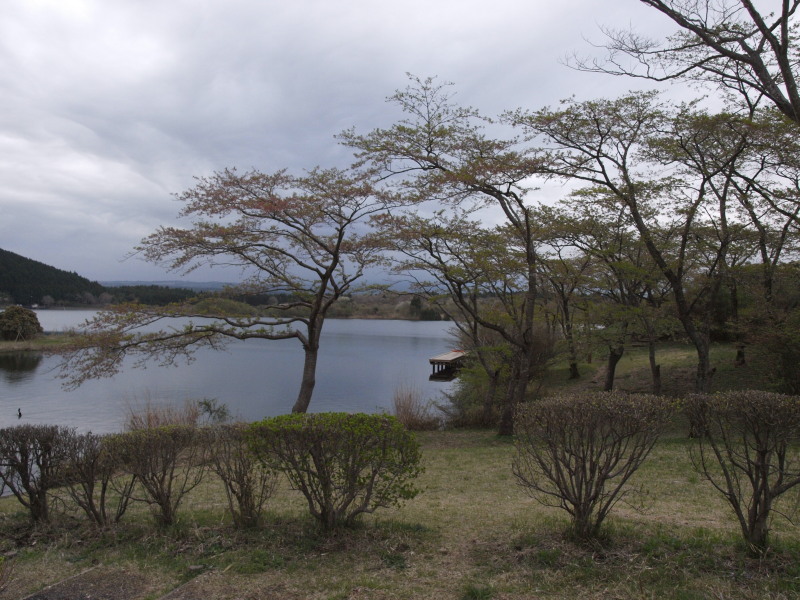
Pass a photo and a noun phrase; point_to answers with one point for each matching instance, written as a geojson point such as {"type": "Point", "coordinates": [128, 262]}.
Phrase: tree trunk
{"type": "Point", "coordinates": [758, 533]}
{"type": "Point", "coordinates": [614, 355]}
{"type": "Point", "coordinates": [488, 399]}
{"type": "Point", "coordinates": [525, 354]}
{"type": "Point", "coordinates": [704, 370]}
{"type": "Point", "coordinates": [740, 360]}
{"type": "Point", "coordinates": [570, 338]}
{"type": "Point", "coordinates": [309, 379]}
{"type": "Point", "coordinates": [655, 370]}
{"type": "Point", "coordinates": [573, 370]}
{"type": "Point", "coordinates": [506, 426]}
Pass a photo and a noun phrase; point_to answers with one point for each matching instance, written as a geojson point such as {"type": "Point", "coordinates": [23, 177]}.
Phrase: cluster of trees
{"type": "Point", "coordinates": [344, 465]}
{"type": "Point", "coordinates": [681, 218]}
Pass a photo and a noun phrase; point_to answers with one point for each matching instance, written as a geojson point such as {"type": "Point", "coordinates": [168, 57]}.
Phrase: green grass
{"type": "Point", "coordinates": [472, 533]}
{"type": "Point", "coordinates": [41, 342]}
{"type": "Point", "coordinates": [678, 364]}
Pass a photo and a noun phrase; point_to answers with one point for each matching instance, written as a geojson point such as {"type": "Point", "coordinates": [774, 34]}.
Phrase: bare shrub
{"type": "Point", "coordinates": [577, 452]}
{"type": "Point", "coordinates": [413, 412]}
{"type": "Point", "coordinates": [168, 463]}
{"type": "Point", "coordinates": [32, 461]}
{"type": "Point", "coordinates": [747, 448]}
{"type": "Point", "coordinates": [344, 464]}
{"type": "Point", "coordinates": [93, 480]}
{"type": "Point", "coordinates": [248, 483]}
{"type": "Point", "coordinates": [152, 415]}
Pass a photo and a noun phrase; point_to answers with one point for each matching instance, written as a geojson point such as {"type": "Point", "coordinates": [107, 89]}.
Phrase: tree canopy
{"type": "Point", "coordinates": [305, 236]}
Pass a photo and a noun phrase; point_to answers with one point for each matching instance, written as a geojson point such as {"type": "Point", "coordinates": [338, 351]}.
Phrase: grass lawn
{"type": "Point", "coordinates": [471, 534]}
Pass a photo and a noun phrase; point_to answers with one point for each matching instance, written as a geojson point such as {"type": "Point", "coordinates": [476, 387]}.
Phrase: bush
{"type": "Point", "coordinates": [18, 323]}
{"type": "Point", "coordinates": [167, 461]}
{"type": "Point", "coordinates": [32, 462]}
{"type": "Point", "coordinates": [577, 452]}
{"type": "Point", "coordinates": [414, 413]}
{"type": "Point", "coordinates": [747, 448]}
{"type": "Point", "coordinates": [151, 415]}
{"type": "Point", "coordinates": [345, 465]}
{"type": "Point", "coordinates": [92, 474]}
{"type": "Point", "coordinates": [248, 483]}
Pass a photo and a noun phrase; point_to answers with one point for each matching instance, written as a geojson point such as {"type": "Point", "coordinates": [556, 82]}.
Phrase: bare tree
{"type": "Point", "coordinates": [726, 43]}
{"type": "Point", "coordinates": [168, 462]}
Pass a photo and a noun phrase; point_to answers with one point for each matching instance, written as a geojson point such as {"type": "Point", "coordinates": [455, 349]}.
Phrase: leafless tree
{"type": "Point", "coordinates": [731, 44]}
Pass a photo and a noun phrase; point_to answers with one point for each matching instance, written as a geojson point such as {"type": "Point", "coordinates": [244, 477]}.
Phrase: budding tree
{"type": "Point", "coordinates": [302, 236]}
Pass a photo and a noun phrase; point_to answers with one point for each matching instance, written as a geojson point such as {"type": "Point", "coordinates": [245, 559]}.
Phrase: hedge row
{"type": "Point", "coordinates": [345, 465]}
{"type": "Point", "coordinates": [574, 452]}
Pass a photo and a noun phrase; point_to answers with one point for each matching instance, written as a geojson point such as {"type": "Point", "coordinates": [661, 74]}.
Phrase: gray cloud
{"type": "Point", "coordinates": [109, 108]}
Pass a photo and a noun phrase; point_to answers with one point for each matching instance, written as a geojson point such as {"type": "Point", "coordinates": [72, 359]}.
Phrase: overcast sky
{"type": "Point", "coordinates": [108, 107]}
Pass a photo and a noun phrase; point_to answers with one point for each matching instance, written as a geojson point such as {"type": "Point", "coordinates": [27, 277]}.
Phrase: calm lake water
{"type": "Point", "coordinates": [361, 364]}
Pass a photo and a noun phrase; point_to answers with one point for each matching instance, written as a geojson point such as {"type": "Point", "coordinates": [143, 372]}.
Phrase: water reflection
{"type": "Point", "coordinates": [17, 367]}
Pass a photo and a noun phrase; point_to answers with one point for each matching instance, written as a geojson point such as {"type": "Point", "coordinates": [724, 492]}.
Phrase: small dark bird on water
{"type": "Point", "coordinates": [19, 413]}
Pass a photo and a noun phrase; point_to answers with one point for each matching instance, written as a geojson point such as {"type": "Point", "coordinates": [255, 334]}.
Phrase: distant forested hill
{"type": "Point", "coordinates": [27, 281]}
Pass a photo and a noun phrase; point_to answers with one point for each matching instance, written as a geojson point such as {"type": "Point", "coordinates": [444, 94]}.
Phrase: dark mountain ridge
{"type": "Point", "coordinates": [30, 282]}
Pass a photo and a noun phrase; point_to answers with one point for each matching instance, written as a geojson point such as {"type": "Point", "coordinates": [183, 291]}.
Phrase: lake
{"type": "Point", "coordinates": [361, 364]}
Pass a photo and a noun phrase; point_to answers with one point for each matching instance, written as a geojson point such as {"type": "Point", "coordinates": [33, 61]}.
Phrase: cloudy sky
{"type": "Point", "coordinates": [109, 107]}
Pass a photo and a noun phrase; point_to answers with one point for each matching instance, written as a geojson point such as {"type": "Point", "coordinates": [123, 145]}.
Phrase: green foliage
{"type": "Point", "coordinates": [577, 452]}
{"type": "Point", "coordinates": [344, 464]}
{"type": "Point", "coordinates": [18, 323]}
{"type": "Point", "coordinates": [777, 335]}
{"type": "Point", "coordinates": [32, 463]}
{"type": "Point", "coordinates": [214, 411]}
{"type": "Point", "coordinates": [747, 447]}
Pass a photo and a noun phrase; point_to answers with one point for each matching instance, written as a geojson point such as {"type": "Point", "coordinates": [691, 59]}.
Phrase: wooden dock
{"type": "Point", "coordinates": [445, 366]}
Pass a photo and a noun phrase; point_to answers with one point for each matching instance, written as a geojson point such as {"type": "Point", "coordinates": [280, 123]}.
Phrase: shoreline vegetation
{"type": "Point", "coordinates": [42, 342]}
{"type": "Point", "coordinates": [371, 307]}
